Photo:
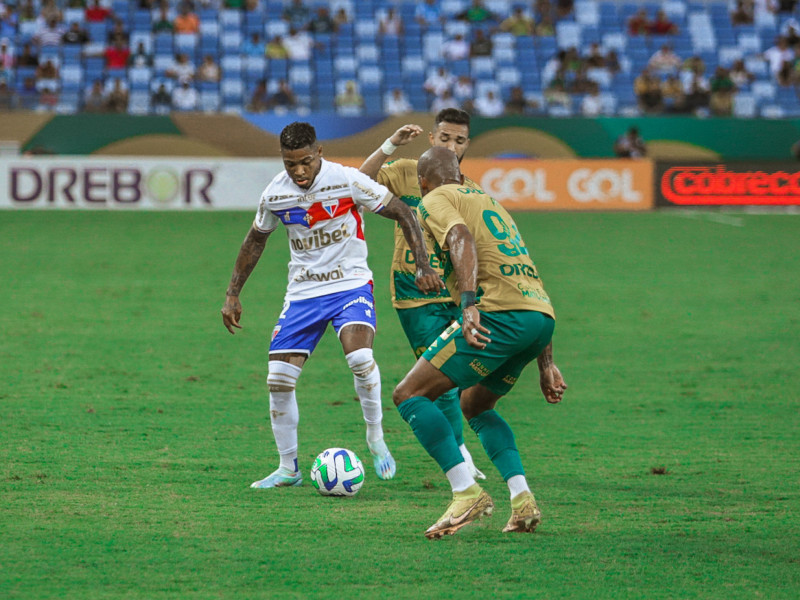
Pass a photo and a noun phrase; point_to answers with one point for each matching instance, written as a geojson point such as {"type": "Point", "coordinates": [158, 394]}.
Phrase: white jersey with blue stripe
{"type": "Point", "coordinates": [325, 227]}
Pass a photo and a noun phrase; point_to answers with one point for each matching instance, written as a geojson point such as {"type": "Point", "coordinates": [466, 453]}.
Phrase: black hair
{"type": "Point", "coordinates": [452, 115]}
{"type": "Point", "coordinates": [298, 135]}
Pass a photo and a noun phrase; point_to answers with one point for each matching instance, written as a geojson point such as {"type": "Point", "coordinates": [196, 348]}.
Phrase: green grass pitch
{"type": "Point", "coordinates": [132, 423]}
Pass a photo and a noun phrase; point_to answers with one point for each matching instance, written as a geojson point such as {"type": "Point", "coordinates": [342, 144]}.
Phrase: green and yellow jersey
{"type": "Point", "coordinates": [400, 176]}
{"type": "Point", "coordinates": [507, 277]}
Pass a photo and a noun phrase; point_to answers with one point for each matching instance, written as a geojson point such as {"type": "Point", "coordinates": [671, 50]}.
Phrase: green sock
{"type": "Point", "coordinates": [450, 405]}
{"type": "Point", "coordinates": [432, 430]}
{"type": "Point", "coordinates": [498, 441]}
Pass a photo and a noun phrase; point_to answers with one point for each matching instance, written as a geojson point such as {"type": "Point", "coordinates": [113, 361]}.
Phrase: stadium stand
{"type": "Point", "coordinates": [357, 51]}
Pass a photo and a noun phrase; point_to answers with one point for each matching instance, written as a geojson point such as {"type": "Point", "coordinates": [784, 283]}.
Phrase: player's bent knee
{"type": "Point", "coordinates": [282, 376]}
{"type": "Point", "coordinates": [361, 362]}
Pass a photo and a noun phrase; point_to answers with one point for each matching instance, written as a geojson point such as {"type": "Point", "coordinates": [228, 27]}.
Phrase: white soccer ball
{"type": "Point", "coordinates": [337, 472]}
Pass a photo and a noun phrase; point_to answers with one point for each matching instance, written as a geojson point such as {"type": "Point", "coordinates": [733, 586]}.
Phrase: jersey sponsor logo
{"type": "Point", "coordinates": [320, 239]}
{"type": "Point", "coordinates": [433, 260]}
{"type": "Point", "coordinates": [317, 212]}
{"type": "Point", "coordinates": [330, 188]}
{"type": "Point", "coordinates": [277, 198]}
{"type": "Point", "coordinates": [529, 292]}
{"type": "Point", "coordinates": [509, 380]}
{"type": "Point", "coordinates": [369, 192]}
{"type": "Point", "coordinates": [359, 300]}
{"type": "Point", "coordinates": [307, 275]}
{"type": "Point", "coordinates": [479, 368]}
{"type": "Point", "coordinates": [509, 270]}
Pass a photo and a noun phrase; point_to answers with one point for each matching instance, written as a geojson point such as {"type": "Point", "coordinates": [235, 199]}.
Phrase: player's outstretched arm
{"type": "Point", "coordinates": [427, 280]}
{"type": "Point", "coordinates": [550, 378]}
{"type": "Point", "coordinates": [246, 261]}
{"type": "Point", "coordinates": [401, 137]}
{"type": "Point", "coordinates": [464, 256]}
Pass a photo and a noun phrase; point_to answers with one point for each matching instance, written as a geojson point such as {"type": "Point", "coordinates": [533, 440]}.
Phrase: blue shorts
{"type": "Point", "coordinates": [302, 323]}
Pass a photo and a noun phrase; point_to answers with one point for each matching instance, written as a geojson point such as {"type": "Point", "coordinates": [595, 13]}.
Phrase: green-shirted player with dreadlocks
{"type": "Point", "coordinates": [423, 317]}
{"type": "Point", "coordinates": [506, 322]}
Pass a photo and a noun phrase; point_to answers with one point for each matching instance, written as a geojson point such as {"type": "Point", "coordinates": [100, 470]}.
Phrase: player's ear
{"type": "Point", "coordinates": [319, 149]}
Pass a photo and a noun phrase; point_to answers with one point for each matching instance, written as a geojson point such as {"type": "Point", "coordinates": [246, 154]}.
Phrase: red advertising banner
{"type": "Point", "coordinates": [728, 184]}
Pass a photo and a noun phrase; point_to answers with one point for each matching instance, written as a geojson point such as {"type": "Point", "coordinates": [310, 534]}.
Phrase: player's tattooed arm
{"type": "Point", "coordinates": [550, 379]}
{"type": "Point", "coordinates": [372, 165]}
{"type": "Point", "coordinates": [427, 280]}
{"type": "Point", "coordinates": [246, 261]}
{"type": "Point", "coordinates": [464, 256]}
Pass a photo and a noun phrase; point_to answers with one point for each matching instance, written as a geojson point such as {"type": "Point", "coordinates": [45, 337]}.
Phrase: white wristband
{"type": "Point", "coordinates": [388, 147]}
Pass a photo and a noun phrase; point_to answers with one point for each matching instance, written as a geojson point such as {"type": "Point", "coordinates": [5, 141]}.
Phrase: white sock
{"type": "Point", "coordinates": [367, 382]}
{"type": "Point", "coordinates": [283, 413]}
{"type": "Point", "coordinates": [460, 478]}
{"type": "Point", "coordinates": [517, 484]}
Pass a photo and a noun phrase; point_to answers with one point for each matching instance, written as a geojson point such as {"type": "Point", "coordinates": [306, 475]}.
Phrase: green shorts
{"type": "Point", "coordinates": [423, 324]}
{"type": "Point", "coordinates": [518, 337]}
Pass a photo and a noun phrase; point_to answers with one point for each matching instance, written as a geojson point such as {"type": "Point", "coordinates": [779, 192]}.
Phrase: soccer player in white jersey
{"type": "Point", "coordinates": [320, 203]}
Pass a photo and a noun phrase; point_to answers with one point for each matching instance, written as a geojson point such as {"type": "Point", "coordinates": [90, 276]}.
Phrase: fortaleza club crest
{"type": "Point", "coordinates": [330, 207]}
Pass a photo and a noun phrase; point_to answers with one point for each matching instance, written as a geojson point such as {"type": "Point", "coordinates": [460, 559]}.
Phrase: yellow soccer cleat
{"type": "Point", "coordinates": [525, 515]}
{"type": "Point", "coordinates": [465, 508]}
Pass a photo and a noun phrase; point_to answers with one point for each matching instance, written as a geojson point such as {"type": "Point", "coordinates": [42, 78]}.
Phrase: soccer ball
{"type": "Point", "coordinates": [337, 472]}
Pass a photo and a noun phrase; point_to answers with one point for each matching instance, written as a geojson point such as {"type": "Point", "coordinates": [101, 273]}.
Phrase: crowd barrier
{"type": "Point", "coordinates": [556, 185]}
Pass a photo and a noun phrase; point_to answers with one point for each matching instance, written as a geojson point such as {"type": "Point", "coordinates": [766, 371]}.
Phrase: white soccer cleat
{"type": "Point", "coordinates": [382, 459]}
{"type": "Point", "coordinates": [281, 478]}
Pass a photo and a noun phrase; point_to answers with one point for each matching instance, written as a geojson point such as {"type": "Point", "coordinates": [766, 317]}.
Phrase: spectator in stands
{"type": "Point", "coordinates": [47, 76]}
{"type": "Point", "coordinates": [26, 11]}
{"type": "Point", "coordinates": [259, 100]}
{"type": "Point", "coordinates": [297, 14]}
{"type": "Point", "coordinates": [117, 55]}
{"type": "Point", "coordinates": [390, 23]}
{"type": "Point", "coordinates": [592, 103]}
{"type": "Point", "coordinates": [595, 59]}
{"type": "Point", "coordinates": [476, 13]}
{"type": "Point", "coordinates": [786, 6]}
{"type": "Point", "coordinates": [630, 144]}
{"type": "Point", "coordinates": [446, 100]}
{"type": "Point", "coordinates": [779, 58]}
{"type": "Point", "coordinates": [50, 11]}
{"type": "Point", "coordinates": [9, 21]}
{"type": "Point", "coordinates": [692, 67]}
{"type": "Point", "coordinates": [698, 92]}
{"type": "Point", "coordinates": [28, 97]}
{"type": "Point", "coordinates": [161, 100]}
{"type": "Point", "coordinates": [117, 100]}
{"type": "Point", "coordinates": [208, 70]}
{"type": "Point", "coordinates": [481, 44]}
{"type": "Point", "coordinates": [163, 24]}
{"type": "Point", "coordinates": [184, 96]}
{"type": "Point", "coordinates": [7, 59]}
{"type": "Point", "coordinates": [518, 23]}
{"type": "Point", "coordinates": [96, 12]}
{"type": "Point", "coordinates": [545, 26]}
{"type": "Point", "coordinates": [791, 31]}
{"type": "Point", "coordinates": [186, 21]}
{"type": "Point", "coordinates": [428, 13]}
{"type": "Point", "coordinates": [581, 84]}
{"type": "Point", "coordinates": [48, 100]}
{"type": "Point", "coordinates": [254, 45]}
{"type": "Point", "coordinates": [794, 73]}
{"type": "Point", "coordinates": [298, 44]}
{"type": "Point", "coordinates": [456, 48]}
{"type": "Point", "coordinates": [350, 99]}
{"type": "Point", "coordinates": [662, 25]}
{"type": "Point", "coordinates": [647, 88]}
{"type": "Point", "coordinates": [612, 62]}
{"type": "Point", "coordinates": [664, 61]}
{"type": "Point", "coordinates": [722, 92]}
{"type": "Point", "coordinates": [8, 100]}
{"type": "Point", "coordinates": [673, 95]}
{"type": "Point", "coordinates": [564, 9]}
{"type": "Point", "coordinates": [75, 35]}
{"type": "Point", "coordinates": [740, 75]}
{"type": "Point", "coordinates": [49, 35]}
{"type": "Point", "coordinates": [322, 23]}
{"type": "Point", "coordinates": [639, 24]}
{"type": "Point", "coordinates": [27, 58]}
{"type": "Point", "coordinates": [439, 81]}
{"type": "Point", "coordinates": [489, 104]}
{"type": "Point", "coordinates": [118, 33]}
{"type": "Point", "coordinates": [463, 90]}
{"type": "Point", "coordinates": [341, 18]}
{"type": "Point", "coordinates": [518, 104]}
{"type": "Point", "coordinates": [283, 99]}
{"type": "Point", "coordinates": [140, 57]}
{"type": "Point", "coordinates": [275, 50]}
{"type": "Point", "coordinates": [181, 68]}
{"type": "Point", "coordinates": [555, 94]}
{"type": "Point", "coordinates": [743, 13]}
{"type": "Point", "coordinates": [397, 103]}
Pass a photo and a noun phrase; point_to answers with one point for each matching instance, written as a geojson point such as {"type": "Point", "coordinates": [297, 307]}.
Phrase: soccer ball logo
{"type": "Point", "coordinates": [337, 472]}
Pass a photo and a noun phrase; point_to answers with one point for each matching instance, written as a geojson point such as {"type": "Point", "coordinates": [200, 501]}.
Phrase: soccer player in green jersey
{"type": "Point", "coordinates": [422, 316]}
{"type": "Point", "coordinates": [506, 322]}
